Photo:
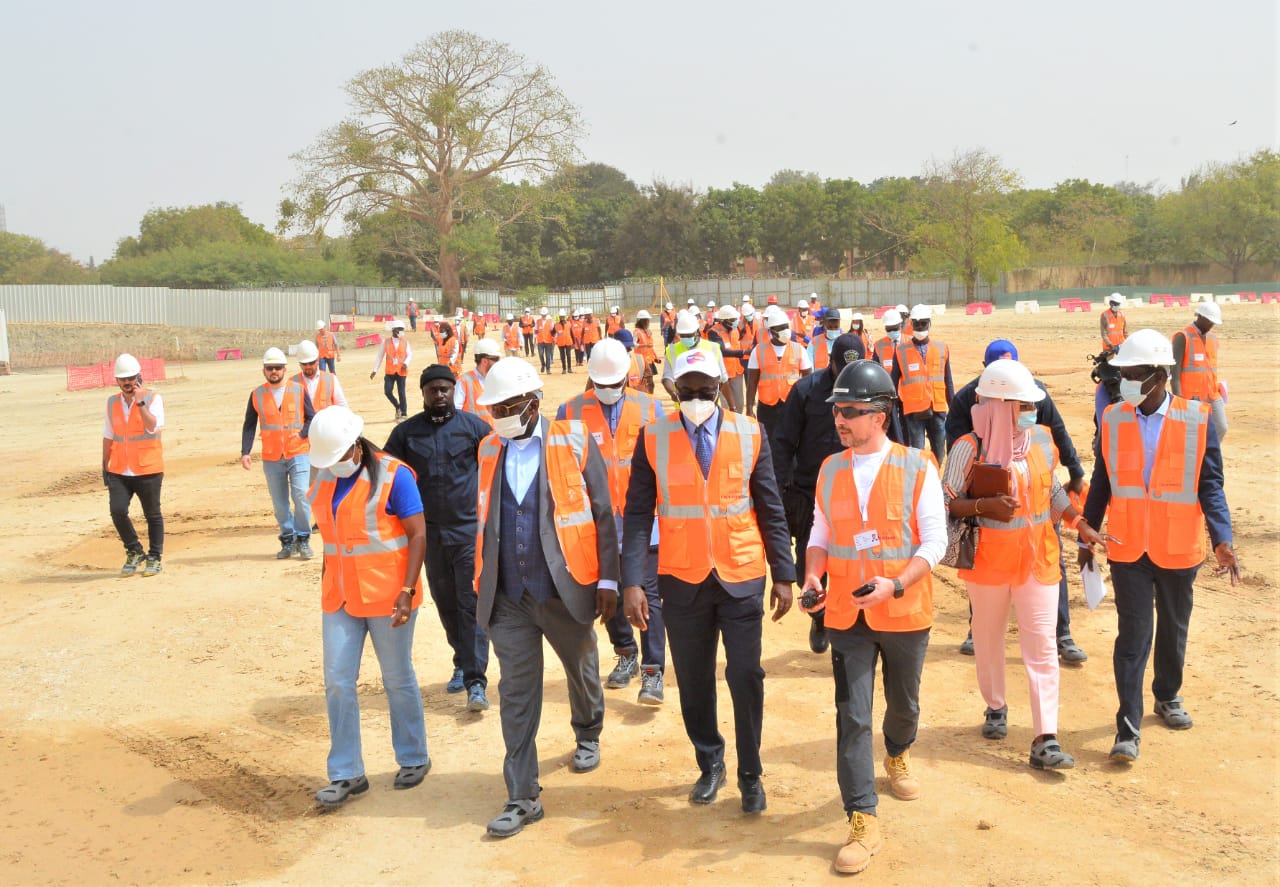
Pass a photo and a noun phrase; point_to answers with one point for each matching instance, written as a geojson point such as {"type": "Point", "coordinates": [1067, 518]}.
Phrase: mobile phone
{"type": "Point", "coordinates": [864, 590]}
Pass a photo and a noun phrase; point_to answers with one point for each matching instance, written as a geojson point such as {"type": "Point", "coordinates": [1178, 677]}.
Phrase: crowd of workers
{"type": "Point", "coordinates": [798, 449]}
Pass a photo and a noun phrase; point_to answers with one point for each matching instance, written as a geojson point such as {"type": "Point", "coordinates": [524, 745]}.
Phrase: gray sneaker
{"type": "Point", "coordinates": [286, 550]}
{"type": "Point", "coordinates": [627, 668]}
{"type": "Point", "coordinates": [153, 566]}
{"type": "Point", "coordinates": [1125, 750]}
{"type": "Point", "coordinates": [476, 700]}
{"type": "Point", "coordinates": [132, 561]}
{"type": "Point", "coordinates": [1175, 717]}
{"type": "Point", "coordinates": [303, 548]}
{"type": "Point", "coordinates": [650, 686]}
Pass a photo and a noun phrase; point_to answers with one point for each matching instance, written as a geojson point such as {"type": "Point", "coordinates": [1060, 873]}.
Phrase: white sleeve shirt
{"type": "Point", "coordinates": [157, 410]}
{"type": "Point", "coordinates": [753, 362]}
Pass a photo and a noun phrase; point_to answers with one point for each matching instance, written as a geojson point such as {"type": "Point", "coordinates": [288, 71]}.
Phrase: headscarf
{"type": "Point", "coordinates": [993, 423]}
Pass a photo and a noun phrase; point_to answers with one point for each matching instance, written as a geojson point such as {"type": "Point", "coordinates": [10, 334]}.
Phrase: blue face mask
{"type": "Point", "coordinates": [832, 335]}
{"type": "Point", "coordinates": [1026, 420]}
{"type": "Point", "coordinates": [895, 335]}
{"type": "Point", "coordinates": [689, 341]}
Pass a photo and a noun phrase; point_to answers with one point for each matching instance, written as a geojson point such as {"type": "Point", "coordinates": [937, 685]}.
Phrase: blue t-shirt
{"type": "Point", "coordinates": [404, 501]}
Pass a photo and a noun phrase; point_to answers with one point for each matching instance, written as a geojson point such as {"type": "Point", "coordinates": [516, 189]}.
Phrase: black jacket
{"type": "Point", "coordinates": [960, 423]}
{"type": "Point", "coordinates": [444, 458]}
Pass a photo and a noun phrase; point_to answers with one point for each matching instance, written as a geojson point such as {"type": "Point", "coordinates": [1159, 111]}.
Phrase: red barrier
{"type": "Point", "coordinates": [371, 339]}
{"type": "Point", "coordinates": [978, 308]}
{"type": "Point", "coordinates": [880, 312]}
{"type": "Point", "coordinates": [1268, 298]}
{"type": "Point", "coordinates": [1248, 297]}
{"type": "Point", "coordinates": [1184, 301]}
{"type": "Point", "coordinates": [102, 375]}
{"type": "Point", "coordinates": [343, 326]}
{"type": "Point", "coordinates": [379, 318]}
{"type": "Point", "coordinates": [229, 354]}
{"type": "Point", "coordinates": [1159, 297]}
{"type": "Point", "coordinates": [1079, 305]}
{"type": "Point", "coordinates": [1066, 304]}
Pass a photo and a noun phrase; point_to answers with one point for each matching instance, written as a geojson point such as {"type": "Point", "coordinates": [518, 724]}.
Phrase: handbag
{"type": "Point", "coordinates": [962, 532]}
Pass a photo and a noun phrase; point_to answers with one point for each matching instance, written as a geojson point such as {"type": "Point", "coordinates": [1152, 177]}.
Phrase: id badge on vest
{"type": "Point", "coordinates": [913, 367]}
{"type": "Point", "coordinates": [868, 539]}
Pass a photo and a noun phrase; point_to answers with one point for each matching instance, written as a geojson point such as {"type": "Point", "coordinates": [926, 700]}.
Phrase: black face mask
{"type": "Point", "coordinates": [439, 415]}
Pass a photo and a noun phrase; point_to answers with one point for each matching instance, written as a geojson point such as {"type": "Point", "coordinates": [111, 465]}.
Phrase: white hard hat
{"type": "Point", "coordinates": [746, 297]}
{"type": "Point", "coordinates": [711, 303]}
{"type": "Point", "coordinates": [892, 318]}
{"type": "Point", "coordinates": [1144, 348]}
{"type": "Point", "coordinates": [609, 362]}
{"type": "Point", "coordinates": [614, 310]}
{"type": "Point", "coordinates": [398, 324]}
{"type": "Point", "coordinates": [642, 314]}
{"type": "Point", "coordinates": [577, 312]}
{"type": "Point", "coordinates": [1115, 299]}
{"type": "Point", "coordinates": [902, 309]}
{"type": "Point", "coordinates": [308, 352]}
{"type": "Point", "coordinates": [857, 315]}
{"type": "Point", "coordinates": [513, 317]}
{"type": "Point", "coordinates": [543, 311]}
{"type": "Point", "coordinates": [803, 305]}
{"type": "Point", "coordinates": [748, 311]}
{"type": "Point", "coordinates": [695, 360]}
{"type": "Point", "coordinates": [507, 379]}
{"type": "Point", "coordinates": [273, 357]}
{"type": "Point", "coordinates": [813, 296]}
{"type": "Point", "coordinates": [686, 323]}
{"type": "Point", "coordinates": [921, 312]}
{"type": "Point", "coordinates": [691, 302]}
{"type": "Point", "coordinates": [669, 306]}
{"type": "Point", "coordinates": [487, 348]}
{"type": "Point", "coordinates": [320, 324]}
{"type": "Point", "coordinates": [727, 312]}
{"type": "Point", "coordinates": [1007, 379]}
{"type": "Point", "coordinates": [1210, 312]}
{"type": "Point", "coordinates": [775, 316]}
{"type": "Point", "coordinates": [127, 366]}
{"type": "Point", "coordinates": [333, 430]}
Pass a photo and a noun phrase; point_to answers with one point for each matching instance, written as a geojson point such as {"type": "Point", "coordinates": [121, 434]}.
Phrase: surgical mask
{"type": "Point", "coordinates": [689, 341]}
{"type": "Point", "coordinates": [697, 411]}
{"type": "Point", "coordinates": [511, 427]}
{"type": "Point", "coordinates": [1131, 391]}
{"type": "Point", "coordinates": [784, 336]}
{"type": "Point", "coordinates": [855, 328]}
{"type": "Point", "coordinates": [832, 335]}
{"type": "Point", "coordinates": [345, 468]}
{"type": "Point", "coordinates": [1026, 420]}
{"type": "Point", "coordinates": [919, 335]}
{"type": "Point", "coordinates": [895, 335]}
{"type": "Point", "coordinates": [608, 396]}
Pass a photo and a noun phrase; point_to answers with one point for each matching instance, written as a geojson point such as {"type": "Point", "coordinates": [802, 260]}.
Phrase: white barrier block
{"type": "Point", "coordinates": [1201, 297]}
{"type": "Point", "coordinates": [1228, 299]}
{"type": "Point", "coordinates": [293, 350]}
{"type": "Point", "coordinates": [1136, 301]}
{"type": "Point", "coordinates": [1030, 306]}
{"type": "Point", "coordinates": [935, 310]}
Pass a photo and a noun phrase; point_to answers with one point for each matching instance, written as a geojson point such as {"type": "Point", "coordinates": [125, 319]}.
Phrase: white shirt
{"type": "Point", "coordinates": [339, 398]}
{"type": "Point", "coordinates": [408, 353]}
{"type": "Point", "coordinates": [931, 515]}
{"type": "Point", "coordinates": [753, 363]}
{"type": "Point", "coordinates": [157, 410]}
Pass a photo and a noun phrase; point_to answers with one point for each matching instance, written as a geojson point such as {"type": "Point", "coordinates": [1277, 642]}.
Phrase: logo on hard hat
{"type": "Point", "coordinates": [694, 357]}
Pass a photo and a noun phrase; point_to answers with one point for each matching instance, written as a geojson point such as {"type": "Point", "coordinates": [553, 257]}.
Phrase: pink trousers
{"type": "Point", "coordinates": [1036, 607]}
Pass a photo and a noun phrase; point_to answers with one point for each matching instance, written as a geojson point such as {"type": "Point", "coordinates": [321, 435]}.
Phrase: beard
{"type": "Point", "coordinates": [439, 414]}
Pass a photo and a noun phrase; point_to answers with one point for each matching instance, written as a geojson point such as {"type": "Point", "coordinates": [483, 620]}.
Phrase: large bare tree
{"type": "Point", "coordinates": [426, 141]}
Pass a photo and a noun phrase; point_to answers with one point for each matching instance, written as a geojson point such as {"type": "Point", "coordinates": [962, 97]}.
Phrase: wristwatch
{"type": "Point", "coordinates": [408, 589]}
{"type": "Point", "coordinates": [898, 589]}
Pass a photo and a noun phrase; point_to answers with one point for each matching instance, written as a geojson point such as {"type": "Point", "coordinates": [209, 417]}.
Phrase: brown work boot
{"type": "Point", "coordinates": [902, 784]}
{"type": "Point", "coordinates": [862, 844]}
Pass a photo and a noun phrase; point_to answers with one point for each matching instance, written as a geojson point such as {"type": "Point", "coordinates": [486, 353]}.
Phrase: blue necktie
{"type": "Point", "coordinates": [703, 450]}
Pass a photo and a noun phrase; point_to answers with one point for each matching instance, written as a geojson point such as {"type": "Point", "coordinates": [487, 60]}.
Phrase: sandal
{"type": "Point", "coordinates": [515, 816]}
{"type": "Point", "coordinates": [408, 777]}
{"type": "Point", "coordinates": [336, 792]}
{"type": "Point", "coordinates": [587, 756]}
{"type": "Point", "coordinates": [997, 723]}
{"type": "Point", "coordinates": [1047, 754]}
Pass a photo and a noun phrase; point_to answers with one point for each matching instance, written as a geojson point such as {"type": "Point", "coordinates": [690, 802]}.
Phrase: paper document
{"type": "Point", "coordinates": [1095, 589]}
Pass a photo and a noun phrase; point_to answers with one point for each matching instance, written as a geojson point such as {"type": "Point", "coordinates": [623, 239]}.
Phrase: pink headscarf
{"type": "Point", "coordinates": [1002, 442]}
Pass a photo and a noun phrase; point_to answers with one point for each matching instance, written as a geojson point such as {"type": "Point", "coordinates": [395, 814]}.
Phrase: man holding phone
{"type": "Point", "coordinates": [879, 529]}
{"type": "Point", "coordinates": [133, 464]}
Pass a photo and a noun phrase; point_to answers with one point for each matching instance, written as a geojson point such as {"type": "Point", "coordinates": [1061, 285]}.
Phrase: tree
{"type": "Point", "coordinates": [26, 260]}
{"type": "Point", "coordinates": [729, 226]}
{"type": "Point", "coordinates": [659, 234]}
{"type": "Point", "coordinates": [426, 138]}
{"type": "Point", "coordinates": [792, 217]}
{"type": "Point", "coordinates": [963, 230]}
{"type": "Point", "coordinates": [892, 213]}
{"type": "Point", "coordinates": [1075, 223]}
{"type": "Point", "coordinates": [172, 227]}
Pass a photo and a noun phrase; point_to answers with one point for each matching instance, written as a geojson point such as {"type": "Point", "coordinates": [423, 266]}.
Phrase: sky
{"type": "Point", "coordinates": [111, 109]}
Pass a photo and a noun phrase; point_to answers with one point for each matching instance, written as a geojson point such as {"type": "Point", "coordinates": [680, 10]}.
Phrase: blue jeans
{"type": "Point", "coordinates": [932, 425]}
{"type": "Point", "coordinates": [288, 478]}
{"type": "Point", "coordinates": [328, 365]}
{"type": "Point", "coordinates": [343, 645]}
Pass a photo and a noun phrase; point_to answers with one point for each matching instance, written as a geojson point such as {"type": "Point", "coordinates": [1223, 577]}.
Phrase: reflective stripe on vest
{"type": "Point", "coordinates": [280, 426]}
{"type": "Point", "coordinates": [777, 374]}
{"type": "Point", "coordinates": [638, 410]}
{"type": "Point", "coordinates": [326, 344]}
{"type": "Point", "coordinates": [1162, 519]}
{"type": "Point", "coordinates": [891, 512]}
{"type": "Point", "coordinates": [1115, 327]}
{"type": "Point", "coordinates": [323, 396]}
{"type": "Point", "coordinates": [883, 351]}
{"type": "Point", "coordinates": [1198, 375]}
{"type": "Point", "coordinates": [133, 448]}
{"type": "Point", "coordinates": [394, 352]}
{"type": "Point", "coordinates": [472, 387]}
{"type": "Point", "coordinates": [925, 386]}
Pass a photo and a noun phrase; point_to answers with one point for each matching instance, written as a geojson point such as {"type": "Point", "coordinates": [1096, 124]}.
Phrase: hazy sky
{"type": "Point", "coordinates": [109, 109]}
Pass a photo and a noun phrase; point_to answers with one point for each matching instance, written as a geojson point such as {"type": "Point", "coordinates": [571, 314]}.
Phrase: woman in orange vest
{"type": "Point", "coordinates": [614, 322]}
{"type": "Point", "coordinates": [564, 339]}
{"type": "Point", "coordinates": [450, 349]}
{"type": "Point", "coordinates": [133, 464]}
{"type": "Point", "coordinates": [526, 332]}
{"type": "Point", "coordinates": [1017, 558]}
{"type": "Point", "coordinates": [369, 512]}
{"type": "Point", "coordinates": [644, 346]}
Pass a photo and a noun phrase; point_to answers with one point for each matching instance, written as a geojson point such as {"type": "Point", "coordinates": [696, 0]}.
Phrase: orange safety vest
{"type": "Point", "coordinates": [866, 342]}
{"type": "Point", "coordinates": [777, 374]}
{"type": "Point", "coordinates": [590, 332]}
{"type": "Point", "coordinates": [566, 457]}
{"type": "Point", "coordinates": [526, 326]}
{"type": "Point", "coordinates": [478, 325]}
{"type": "Point", "coordinates": [281, 427]}
{"type": "Point", "coordinates": [883, 351]}
{"type": "Point", "coordinates": [706, 524]}
{"type": "Point", "coordinates": [133, 448]}
{"type": "Point", "coordinates": [1115, 328]}
{"type": "Point", "coordinates": [668, 318]}
{"type": "Point", "coordinates": [453, 355]}
{"type": "Point", "coordinates": [751, 332]}
{"type": "Point", "coordinates": [733, 367]}
{"type": "Point", "coordinates": [1198, 376]}
{"type": "Point", "coordinates": [472, 384]}
{"type": "Point", "coordinates": [635, 377]}
{"type": "Point", "coordinates": [1162, 520]}
{"type": "Point", "coordinates": [821, 352]}
{"type": "Point", "coordinates": [411, 309]}
{"type": "Point", "coordinates": [511, 337]}
{"type": "Point", "coordinates": [394, 351]}
{"type": "Point", "coordinates": [613, 323]}
{"type": "Point", "coordinates": [891, 513]}
{"type": "Point", "coordinates": [545, 335]}
{"type": "Point", "coordinates": [564, 334]}
{"type": "Point", "coordinates": [923, 384]}
{"type": "Point", "coordinates": [326, 344]}
{"type": "Point", "coordinates": [324, 389]}
{"type": "Point", "coordinates": [1010, 551]}
{"type": "Point", "coordinates": [644, 346]}
{"type": "Point", "coordinates": [366, 551]}
{"type": "Point", "coordinates": [802, 326]}
{"type": "Point", "coordinates": [617, 448]}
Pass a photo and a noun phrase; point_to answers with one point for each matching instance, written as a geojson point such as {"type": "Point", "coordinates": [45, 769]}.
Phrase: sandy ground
{"type": "Point", "coordinates": [172, 730]}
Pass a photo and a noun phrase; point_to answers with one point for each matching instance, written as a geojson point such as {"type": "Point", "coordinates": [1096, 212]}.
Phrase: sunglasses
{"type": "Point", "coordinates": [851, 412]}
{"type": "Point", "coordinates": [501, 411]}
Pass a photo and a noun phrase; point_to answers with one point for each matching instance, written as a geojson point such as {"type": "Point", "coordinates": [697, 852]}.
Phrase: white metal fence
{"type": "Point", "coordinates": [224, 309]}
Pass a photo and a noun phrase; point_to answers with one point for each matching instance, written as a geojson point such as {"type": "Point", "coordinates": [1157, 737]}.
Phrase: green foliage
{"type": "Point", "coordinates": [659, 234]}
{"type": "Point", "coordinates": [793, 213]}
{"type": "Point", "coordinates": [172, 227]}
{"type": "Point", "coordinates": [26, 260]}
{"type": "Point", "coordinates": [225, 265]}
{"type": "Point", "coordinates": [729, 226]}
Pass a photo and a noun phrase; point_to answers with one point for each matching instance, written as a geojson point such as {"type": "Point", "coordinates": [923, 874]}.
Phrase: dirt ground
{"type": "Point", "coordinates": [172, 730]}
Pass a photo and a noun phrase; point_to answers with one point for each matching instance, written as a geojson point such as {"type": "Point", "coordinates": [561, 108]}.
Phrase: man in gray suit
{"type": "Point", "coordinates": [546, 566]}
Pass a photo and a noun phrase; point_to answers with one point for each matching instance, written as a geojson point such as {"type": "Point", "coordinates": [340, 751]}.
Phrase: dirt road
{"type": "Point", "coordinates": [172, 730]}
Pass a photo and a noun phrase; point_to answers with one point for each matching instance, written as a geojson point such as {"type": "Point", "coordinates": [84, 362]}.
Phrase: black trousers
{"type": "Point", "coordinates": [528, 344]}
{"type": "Point", "coordinates": [120, 492]}
{"type": "Point", "coordinates": [696, 618]}
{"type": "Point", "coordinates": [1137, 585]}
{"type": "Point", "coordinates": [566, 358]}
{"type": "Point", "coordinates": [769, 415]}
{"type": "Point", "coordinates": [389, 383]}
{"type": "Point", "coordinates": [799, 507]}
{"type": "Point", "coordinates": [450, 580]}
{"type": "Point", "coordinates": [653, 640]}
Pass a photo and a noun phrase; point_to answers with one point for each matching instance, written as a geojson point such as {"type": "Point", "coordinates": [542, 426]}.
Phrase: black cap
{"type": "Point", "coordinates": [845, 350]}
{"type": "Point", "coordinates": [436, 371]}
{"type": "Point", "coordinates": [862, 382]}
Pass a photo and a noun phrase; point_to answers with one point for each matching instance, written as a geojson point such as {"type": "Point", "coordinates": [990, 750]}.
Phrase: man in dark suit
{"type": "Point", "coordinates": [708, 475]}
{"type": "Point", "coordinates": [546, 565]}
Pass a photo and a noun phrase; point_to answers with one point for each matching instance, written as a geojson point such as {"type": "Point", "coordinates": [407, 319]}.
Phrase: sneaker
{"type": "Point", "coordinates": [303, 549]}
{"type": "Point", "coordinates": [902, 785]}
{"type": "Point", "coordinates": [336, 793]}
{"type": "Point", "coordinates": [286, 550]}
{"type": "Point", "coordinates": [1175, 717]}
{"type": "Point", "coordinates": [514, 817]}
{"type": "Point", "coordinates": [133, 560]}
{"type": "Point", "coordinates": [862, 843]}
{"type": "Point", "coordinates": [456, 684]}
{"type": "Point", "coordinates": [476, 700]}
{"type": "Point", "coordinates": [650, 686]}
{"type": "Point", "coordinates": [627, 668]}
{"type": "Point", "coordinates": [153, 566]}
{"type": "Point", "coordinates": [1125, 750]}
{"type": "Point", "coordinates": [1070, 652]}
{"type": "Point", "coordinates": [966, 648]}
{"type": "Point", "coordinates": [996, 725]}
{"type": "Point", "coordinates": [1047, 754]}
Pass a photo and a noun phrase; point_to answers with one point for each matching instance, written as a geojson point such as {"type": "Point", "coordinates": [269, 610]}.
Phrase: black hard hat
{"type": "Point", "coordinates": [861, 382]}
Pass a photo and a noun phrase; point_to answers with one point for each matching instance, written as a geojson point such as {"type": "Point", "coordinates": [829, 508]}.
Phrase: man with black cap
{"type": "Point", "coordinates": [960, 422]}
{"type": "Point", "coordinates": [441, 444]}
{"type": "Point", "coordinates": [804, 437]}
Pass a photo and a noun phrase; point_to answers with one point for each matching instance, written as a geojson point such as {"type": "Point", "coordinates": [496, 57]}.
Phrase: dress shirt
{"type": "Point", "coordinates": [523, 459]}
{"type": "Point", "coordinates": [1150, 427]}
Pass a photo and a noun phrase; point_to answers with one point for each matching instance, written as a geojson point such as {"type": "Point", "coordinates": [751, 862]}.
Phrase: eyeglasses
{"type": "Point", "coordinates": [1137, 374]}
{"type": "Point", "coordinates": [851, 412]}
{"type": "Point", "coordinates": [274, 369]}
{"type": "Point", "coordinates": [502, 410]}
{"type": "Point", "coordinates": [920, 324]}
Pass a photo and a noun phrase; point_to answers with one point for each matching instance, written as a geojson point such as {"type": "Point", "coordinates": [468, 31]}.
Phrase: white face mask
{"type": "Point", "coordinates": [1131, 391]}
{"type": "Point", "coordinates": [345, 468]}
{"type": "Point", "coordinates": [510, 427]}
{"type": "Point", "coordinates": [784, 336]}
{"type": "Point", "coordinates": [697, 411]}
{"type": "Point", "coordinates": [919, 335]}
{"type": "Point", "coordinates": [895, 335]}
{"type": "Point", "coordinates": [832, 335]}
{"type": "Point", "coordinates": [608, 396]}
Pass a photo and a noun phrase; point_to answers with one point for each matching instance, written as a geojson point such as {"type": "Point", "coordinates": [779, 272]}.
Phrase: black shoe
{"type": "Point", "coordinates": [753, 800]}
{"type": "Point", "coordinates": [708, 785]}
{"type": "Point", "coordinates": [818, 641]}
{"type": "Point", "coordinates": [286, 549]}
